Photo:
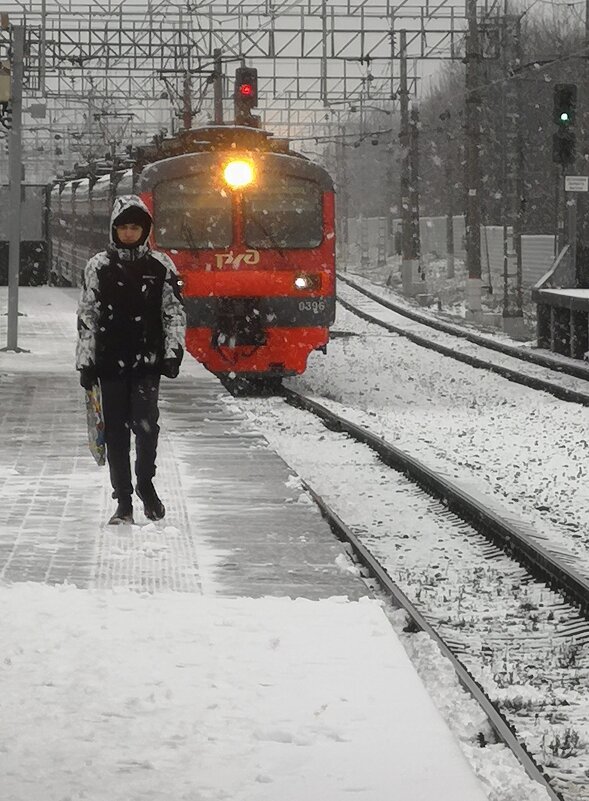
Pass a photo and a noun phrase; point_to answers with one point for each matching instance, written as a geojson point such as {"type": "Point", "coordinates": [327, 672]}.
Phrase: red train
{"type": "Point", "coordinates": [250, 227]}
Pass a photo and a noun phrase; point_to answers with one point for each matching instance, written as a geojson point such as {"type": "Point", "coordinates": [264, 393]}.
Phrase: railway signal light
{"type": "Point", "coordinates": [565, 104]}
{"type": "Point", "coordinates": [564, 112]}
{"type": "Point", "coordinates": [246, 95]}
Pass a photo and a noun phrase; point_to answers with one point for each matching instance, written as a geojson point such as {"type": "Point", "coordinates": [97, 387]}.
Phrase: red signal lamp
{"type": "Point", "coordinates": [245, 95]}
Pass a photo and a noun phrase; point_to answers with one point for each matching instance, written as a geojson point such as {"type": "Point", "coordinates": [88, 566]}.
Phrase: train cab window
{"type": "Point", "coordinates": [189, 214]}
{"type": "Point", "coordinates": [284, 214]}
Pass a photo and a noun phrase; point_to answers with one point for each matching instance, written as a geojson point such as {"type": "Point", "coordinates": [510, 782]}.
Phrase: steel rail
{"type": "Point", "coordinates": [562, 393]}
{"type": "Point", "coordinates": [541, 359]}
{"type": "Point", "coordinates": [509, 535]}
{"type": "Point", "coordinates": [502, 728]}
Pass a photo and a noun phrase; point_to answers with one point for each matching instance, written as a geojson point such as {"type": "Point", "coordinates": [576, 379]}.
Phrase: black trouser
{"type": "Point", "coordinates": [130, 403]}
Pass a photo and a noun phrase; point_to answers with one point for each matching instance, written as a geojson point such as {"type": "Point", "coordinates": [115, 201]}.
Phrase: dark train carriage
{"type": "Point", "coordinates": [79, 219]}
{"type": "Point", "coordinates": [101, 207]}
{"type": "Point", "coordinates": [63, 226]}
{"type": "Point", "coordinates": [81, 229]}
{"type": "Point", "coordinates": [33, 247]}
{"type": "Point", "coordinates": [54, 237]}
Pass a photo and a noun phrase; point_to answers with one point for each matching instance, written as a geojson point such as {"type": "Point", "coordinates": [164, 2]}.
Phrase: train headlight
{"type": "Point", "coordinates": [238, 173]}
{"type": "Point", "coordinates": [307, 281]}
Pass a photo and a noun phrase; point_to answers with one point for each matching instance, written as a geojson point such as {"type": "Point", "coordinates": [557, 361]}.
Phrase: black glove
{"type": "Point", "coordinates": [171, 368]}
{"type": "Point", "coordinates": [88, 377]}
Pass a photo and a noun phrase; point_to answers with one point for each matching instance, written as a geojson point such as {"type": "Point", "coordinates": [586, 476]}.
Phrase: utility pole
{"type": "Point", "coordinates": [90, 125]}
{"type": "Point", "coordinates": [391, 200]}
{"type": "Point", "coordinates": [410, 255]}
{"type": "Point", "coordinates": [342, 194]}
{"type": "Point", "coordinates": [450, 155]}
{"type": "Point", "coordinates": [506, 144]}
{"type": "Point", "coordinates": [187, 102]}
{"type": "Point", "coordinates": [512, 165]}
{"type": "Point", "coordinates": [473, 170]}
{"type": "Point", "coordinates": [218, 87]}
{"type": "Point", "coordinates": [288, 94]}
{"type": "Point", "coordinates": [405, 163]}
{"type": "Point", "coordinates": [518, 218]}
{"type": "Point", "coordinates": [414, 186]}
{"type": "Point", "coordinates": [582, 250]}
{"type": "Point", "coordinates": [15, 174]}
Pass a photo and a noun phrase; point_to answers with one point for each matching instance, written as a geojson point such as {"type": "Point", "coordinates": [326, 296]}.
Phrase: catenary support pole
{"type": "Point", "coordinates": [409, 263]}
{"type": "Point", "coordinates": [450, 157]}
{"type": "Point", "coordinates": [506, 199]}
{"type": "Point", "coordinates": [187, 101]}
{"type": "Point", "coordinates": [414, 185]}
{"type": "Point", "coordinates": [324, 52]}
{"type": "Point", "coordinates": [15, 173]}
{"type": "Point", "coordinates": [582, 249]}
{"type": "Point", "coordinates": [473, 177]}
{"type": "Point", "coordinates": [218, 87]}
{"type": "Point", "coordinates": [43, 48]}
{"type": "Point", "coordinates": [518, 220]}
{"type": "Point", "coordinates": [342, 196]}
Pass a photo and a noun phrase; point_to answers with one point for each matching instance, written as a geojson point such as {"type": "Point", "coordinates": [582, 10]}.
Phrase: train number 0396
{"type": "Point", "coordinates": [314, 306]}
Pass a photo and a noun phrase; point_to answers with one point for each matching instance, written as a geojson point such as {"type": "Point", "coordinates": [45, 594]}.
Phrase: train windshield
{"type": "Point", "coordinates": [285, 214]}
{"type": "Point", "coordinates": [190, 215]}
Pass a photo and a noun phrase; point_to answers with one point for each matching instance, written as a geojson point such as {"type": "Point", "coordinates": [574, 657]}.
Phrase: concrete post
{"type": "Point", "coordinates": [15, 173]}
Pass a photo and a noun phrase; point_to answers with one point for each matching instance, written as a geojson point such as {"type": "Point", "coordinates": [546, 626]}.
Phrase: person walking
{"type": "Point", "coordinates": [131, 327]}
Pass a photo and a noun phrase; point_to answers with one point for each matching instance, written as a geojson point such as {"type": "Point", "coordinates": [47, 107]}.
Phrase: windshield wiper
{"type": "Point", "coordinates": [267, 234]}
{"type": "Point", "coordinates": [186, 231]}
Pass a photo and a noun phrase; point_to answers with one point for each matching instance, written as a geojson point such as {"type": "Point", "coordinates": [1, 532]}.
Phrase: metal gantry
{"type": "Point", "coordinates": [154, 62]}
{"type": "Point", "coordinates": [318, 51]}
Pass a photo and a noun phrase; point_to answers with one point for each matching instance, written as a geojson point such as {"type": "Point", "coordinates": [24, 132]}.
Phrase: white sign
{"type": "Point", "coordinates": [576, 183]}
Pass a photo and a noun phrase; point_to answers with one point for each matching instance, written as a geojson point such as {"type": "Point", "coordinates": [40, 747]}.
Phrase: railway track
{"type": "Point", "coordinates": [562, 378]}
{"type": "Point", "coordinates": [516, 598]}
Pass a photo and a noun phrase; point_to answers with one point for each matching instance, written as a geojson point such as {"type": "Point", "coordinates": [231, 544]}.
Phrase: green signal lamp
{"type": "Point", "coordinates": [564, 104]}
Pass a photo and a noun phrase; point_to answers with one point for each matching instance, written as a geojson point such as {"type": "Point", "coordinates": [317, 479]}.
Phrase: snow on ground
{"type": "Point", "coordinates": [384, 514]}
{"type": "Point", "coordinates": [526, 448]}
{"type": "Point", "coordinates": [118, 696]}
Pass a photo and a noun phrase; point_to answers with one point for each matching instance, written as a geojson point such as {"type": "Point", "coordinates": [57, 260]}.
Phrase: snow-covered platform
{"type": "Point", "coordinates": [228, 652]}
{"type": "Point", "coordinates": [238, 521]}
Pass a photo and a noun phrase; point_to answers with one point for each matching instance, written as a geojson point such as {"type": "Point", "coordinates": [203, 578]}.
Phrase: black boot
{"type": "Point", "coordinates": [124, 512]}
{"type": "Point", "coordinates": [152, 506]}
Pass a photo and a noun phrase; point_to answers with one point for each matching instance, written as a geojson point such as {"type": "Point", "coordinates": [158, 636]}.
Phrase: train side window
{"type": "Point", "coordinates": [286, 213]}
{"type": "Point", "coordinates": [189, 214]}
